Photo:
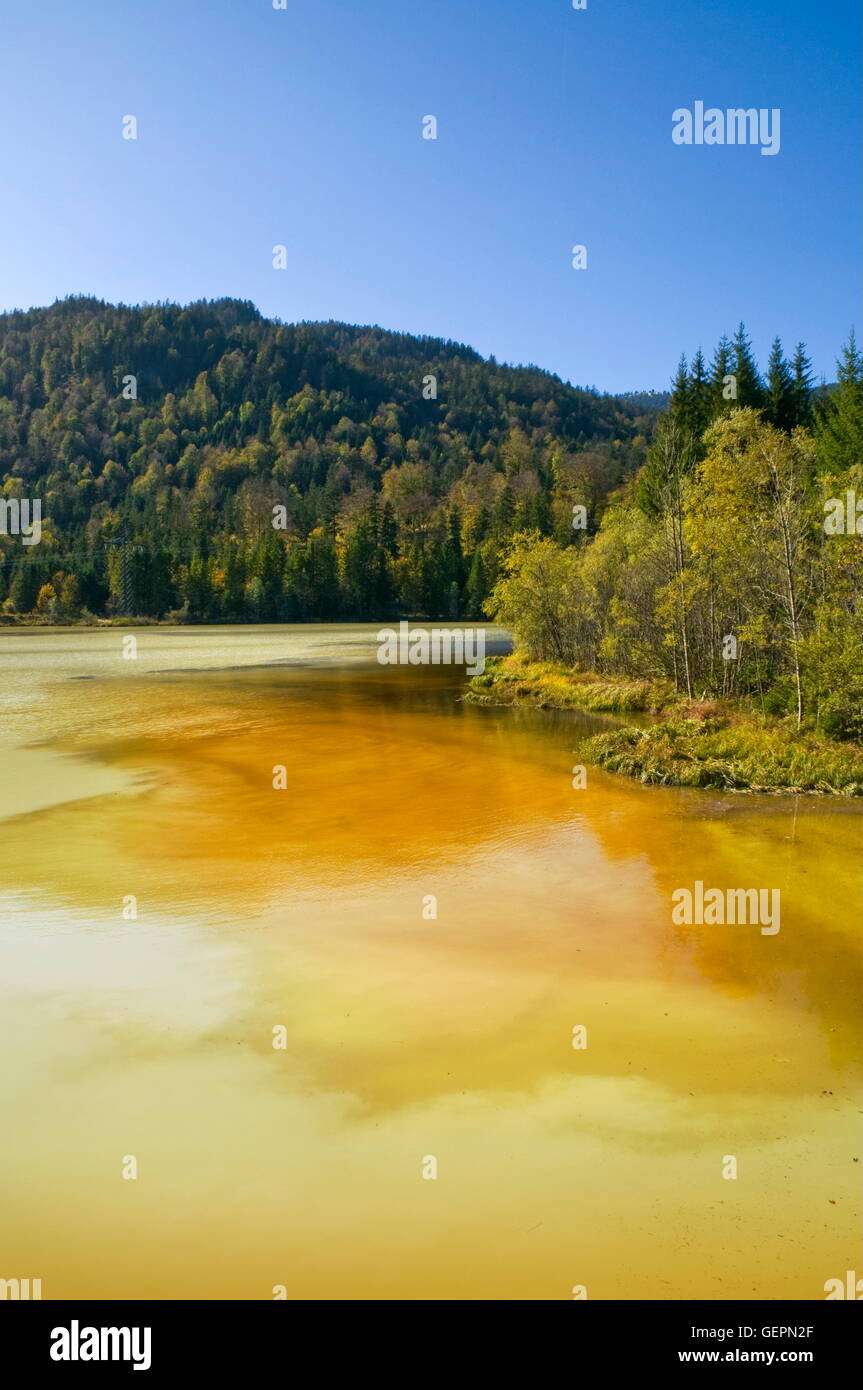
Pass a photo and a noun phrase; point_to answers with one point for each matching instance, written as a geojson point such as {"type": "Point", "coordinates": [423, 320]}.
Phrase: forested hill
{"type": "Point", "coordinates": [400, 464]}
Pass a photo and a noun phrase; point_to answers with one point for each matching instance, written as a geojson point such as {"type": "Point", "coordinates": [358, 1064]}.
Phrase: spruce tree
{"type": "Point", "coordinates": [389, 529]}
{"type": "Point", "coordinates": [478, 586]}
{"type": "Point", "coordinates": [24, 586]}
{"type": "Point", "coordinates": [700, 399]}
{"type": "Point", "coordinates": [504, 512]}
{"type": "Point", "coordinates": [801, 387]}
{"type": "Point", "coordinates": [721, 399]}
{"type": "Point", "coordinates": [780, 407]}
{"type": "Point", "coordinates": [839, 424]}
{"type": "Point", "coordinates": [750, 388]}
{"type": "Point", "coordinates": [678, 405]}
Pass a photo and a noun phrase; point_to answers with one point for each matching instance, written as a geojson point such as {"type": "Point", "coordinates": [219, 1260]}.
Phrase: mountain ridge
{"type": "Point", "coordinates": [401, 463]}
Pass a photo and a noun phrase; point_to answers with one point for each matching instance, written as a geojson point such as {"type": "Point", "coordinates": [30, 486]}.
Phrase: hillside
{"type": "Point", "coordinates": [391, 501]}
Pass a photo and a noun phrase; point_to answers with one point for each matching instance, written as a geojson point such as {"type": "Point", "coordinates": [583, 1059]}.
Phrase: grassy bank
{"type": "Point", "coordinates": [736, 754]}
{"type": "Point", "coordinates": [33, 620]}
{"type": "Point", "coordinates": [507, 680]}
{"type": "Point", "coordinates": [686, 744]}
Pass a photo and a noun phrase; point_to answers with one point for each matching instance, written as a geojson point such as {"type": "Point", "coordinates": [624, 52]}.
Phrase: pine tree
{"type": "Point", "coordinates": [700, 411]}
{"type": "Point", "coordinates": [233, 565]}
{"type": "Point", "coordinates": [678, 405]}
{"type": "Point", "coordinates": [24, 587]}
{"type": "Point", "coordinates": [479, 585]}
{"type": "Point", "coordinates": [750, 388]}
{"type": "Point", "coordinates": [780, 407]}
{"type": "Point", "coordinates": [839, 423]}
{"type": "Point", "coordinates": [454, 526]}
{"type": "Point", "coordinates": [481, 526]}
{"type": "Point", "coordinates": [721, 397]}
{"type": "Point", "coordinates": [322, 575]}
{"type": "Point", "coordinates": [801, 387]}
{"type": "Point", "coordinates": [389, 529]}
{"type": "Point", "coordinates": [504, 511]}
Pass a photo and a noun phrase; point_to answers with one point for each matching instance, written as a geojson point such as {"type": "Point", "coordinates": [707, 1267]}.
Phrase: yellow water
{"type": "Point", "coordinates": [407, 1037]}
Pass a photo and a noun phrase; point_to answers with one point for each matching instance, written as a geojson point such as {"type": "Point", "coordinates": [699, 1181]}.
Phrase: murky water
{"type": "Point", "coordinates": [407, 1038]}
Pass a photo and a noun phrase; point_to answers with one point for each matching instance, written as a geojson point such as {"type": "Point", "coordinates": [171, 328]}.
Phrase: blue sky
{"type": "Point", "coordinates": [302, 127]}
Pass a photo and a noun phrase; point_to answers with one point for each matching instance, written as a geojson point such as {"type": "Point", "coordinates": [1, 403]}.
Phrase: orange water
{"type": "Point", "coordinates": [408, 1037]}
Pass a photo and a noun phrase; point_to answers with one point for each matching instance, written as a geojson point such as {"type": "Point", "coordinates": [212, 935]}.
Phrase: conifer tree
{"type": "Point", "coordinates": [839, 425]}
{"type": "Point", "coordinates": [801, 387]}
{"type": "Point", "coordinates": [24, 586]}
{"type": "Point", "coordinates": [720, 387]}
{"type": "Point", "coordinates": [700, 411]}
{"type": "Point", "coordinates": [678, 405]}
{"type": "Point", "coordinates": [750, 388]}
{"type": "Point", "coordinates": [780, 407]}
{"type": "Point", "coordinates": [478, 586]}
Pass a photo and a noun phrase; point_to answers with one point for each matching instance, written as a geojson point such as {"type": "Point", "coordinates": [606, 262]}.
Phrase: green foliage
{"type": "Point", "coordinates": [513, 681]}
{"type": "Point", "coordinates": [391, 503]}
{"type": "Point", "coordinates": [719, 540]}
{"type": "Point", "coordinates": [538, 597]}
{"type": "Point", "coordinates": [749, 386]}
{"type": "Point", "coordinates": [780, 407]}
{"type": "Point", "coordinates": [730, 756]}
{"type": "Point", "coordinates": [832, 656]}
{"type": "Point", "coordinates": [716, 576]}
{"type": "Point", "coordinates": [839, 418]}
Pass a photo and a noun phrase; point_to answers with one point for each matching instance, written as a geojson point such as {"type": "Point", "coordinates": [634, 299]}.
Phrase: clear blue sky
{"type": "Point", "coordinates": [303, 127]}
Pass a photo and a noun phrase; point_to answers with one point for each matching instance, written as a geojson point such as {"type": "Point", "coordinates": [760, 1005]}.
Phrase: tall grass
{"type": "Point", "coordinates": [510, 681]}
{"type": "Point", "coordinates": [689, 745]}
{"type": "Point", "coordinates": [730, 755]}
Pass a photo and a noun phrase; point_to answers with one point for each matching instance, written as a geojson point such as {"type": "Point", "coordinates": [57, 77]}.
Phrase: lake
{"type": "Point", "coordinates": [422, 917]}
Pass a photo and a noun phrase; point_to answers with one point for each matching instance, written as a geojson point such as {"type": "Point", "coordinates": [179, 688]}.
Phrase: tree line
{"type": "Point", "coordinates": [165, 441]}
{"type": "Point", "coordinates": [731, 564]}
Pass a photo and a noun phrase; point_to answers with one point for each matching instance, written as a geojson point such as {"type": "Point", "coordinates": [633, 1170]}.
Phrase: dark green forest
{"type": "Point", "coordinates": [258, 471]}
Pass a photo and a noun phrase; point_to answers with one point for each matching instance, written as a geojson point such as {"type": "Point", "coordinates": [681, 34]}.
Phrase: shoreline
{"type": "Point", "coordinates": [718, 745]}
